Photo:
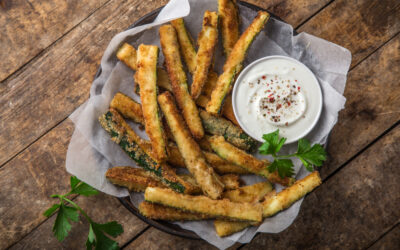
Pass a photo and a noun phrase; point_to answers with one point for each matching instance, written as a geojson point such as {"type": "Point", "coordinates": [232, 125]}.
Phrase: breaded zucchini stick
{"type": "Point", "coordinates": [133, 110]}
{"type": "Point", "coordinates": [250, 163]}
{"type": "Point", "coordinates": [143, 144]}
{"type": "Point", "coordinates": [227, 110]}
{"type": "Point", "coordinates": [162, 81]}
{"type": "Point", "coordinates": [209, 85]}
{"type": "Point", "coordinates": [160, 212]}
{"type": "Point", "coordinates": [212, 125]}
{"type": "Point", "coordinates": [128, 55]}
{"type": "Point", "coordinates": [233, 64]}
{"type": "Point", "coordinates": [204, 144]}
{"type": "Point", "coordinates": [219, 126]}
{"type": "Point", "coordinates": [226, 228]}
{"type": "Point", "coordinates": [204, 205]}
{"type": "Point", "coordinates": [290, 195]}
{"type": "Point", "coordinates": [252, 193]}
{"type": "Point", "coordinates": [189, 55]}
{"type": "Point", "coordinates": [195, 162]}
{"type": "Point", "coordinates": [228, 14]}
{"type": "Point", "coordinates": [274, 203]}
{"type": "Point", "coordinates": [229, 169]}
{"type": "Point", "coordinates": [187, 48]}
{"type": "Point", "coordinates": [207, 42]}
{"type": "Point", "coordinates": [244, 194]}
{"type": "Point", "coordinates": [129, 141]}
{"type": "Point", "coordinates": [230, 181]}
{"type": "Point", "coordinates": [135, 179]}
{"type": "Point", "coordinates": [127, 107]}
{"type": "Point", "coordinates": [146, 76]}
{"type": "Point", "coordinates": [170, 47]}
{"type": "Point", "coordinates": [175, 158]}
{"type": "Point", "coordinates": [220, 165]}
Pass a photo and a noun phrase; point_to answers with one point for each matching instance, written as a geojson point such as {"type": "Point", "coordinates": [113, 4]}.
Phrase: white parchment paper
{"type": "Point", "coordinates": [91, 152]}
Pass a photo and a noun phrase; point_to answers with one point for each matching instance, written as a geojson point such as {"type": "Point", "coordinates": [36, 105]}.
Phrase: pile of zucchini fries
{"type": "Point", "coordinates": [186, 130]}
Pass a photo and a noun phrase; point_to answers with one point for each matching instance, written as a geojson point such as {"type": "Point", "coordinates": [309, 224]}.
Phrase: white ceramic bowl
{"type": "Point", "coordinates": [253, 123]}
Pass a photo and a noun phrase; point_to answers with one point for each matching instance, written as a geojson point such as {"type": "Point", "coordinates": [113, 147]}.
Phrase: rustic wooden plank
{"type": "Point", "coordinates": [390, 241]}
{"type": "Point", "coordinates": [28, 27]}
{"type": "Point", "coordinates": [373, 105]}
{"type": "Point", "coordinates": [156, 239]}
{"type": "Point", "coordinates": [58, 81]}
{"type": "Point", "coordinates": [352, 208]}
{"type": "Point", "coordinates": [27, 182]}
{"type": "Point", "coordinates": [360, 26]}
{"type": "Point", "coordinates": [293, 12]}
{"type": "Point", "coordinates": [102, 208]}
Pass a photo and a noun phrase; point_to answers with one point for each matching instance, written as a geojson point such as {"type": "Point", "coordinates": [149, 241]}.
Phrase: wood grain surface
{"type": "Point", "coordinates": [360, 26]}
{"type": "Point", "coordinates": [61, 76]}
{"type": "Point", "coordinates": [349, 210]}
{"type": "Point", "coordinates": [293, 12]}
{"type": "Point", "coordinates": [102, 208]}
{"type": "Point", "coordinates": [28, 180]}
{"type": "Point", "coordinates": [156, 239]}
{"type": "Point", "coordinates": [50, 52]}
{"type": "Point", "coordinates": [372, 105]}
{"type": "Point", "coordinates": [27, 27]}
{"type": "Point", "coordinates": [389, 241]}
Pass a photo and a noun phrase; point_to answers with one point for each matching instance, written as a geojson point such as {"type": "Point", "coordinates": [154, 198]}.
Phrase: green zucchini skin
{"type": "Point", "coordinates": [221, 209]}
{"type": "Point", "coordinates": [219, 126]}
{"type": "Point", "coordinates": [111, 122]}
{"type": "Point", "coordinates": [233, 64]}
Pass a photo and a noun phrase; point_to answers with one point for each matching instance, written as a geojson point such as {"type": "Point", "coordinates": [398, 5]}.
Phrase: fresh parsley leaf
{"type": "Point", "coordinates": [51, 210]}
{"type": "Point", "coordinates": [84, 189]}
{"type": "Point", "coordinates": [91, 241]}
{"type": "Point", "coordinates": [97, 236]}
{"type": "Point", "coordinates": [265, 148]}
{"type": "Point", "coordinates": [102, 241]}
{"type": "Point", "coordinates": [310, 155]}
{"type": "Point", "coordinates": [74, 181]}
{"type": "Point", "coordinates": [62, 224]}
{"type": "Point", "coordinates": [272, 144]}
{"type": "Point", "coordinates": [283, 166]}
{"type": "Point", "coordinates": [111, 228]}
{"type": "Point", "coordinates": [303, 145]}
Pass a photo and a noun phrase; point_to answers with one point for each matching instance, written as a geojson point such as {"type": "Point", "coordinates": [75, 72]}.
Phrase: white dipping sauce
{"type": "Point", "coordinates": [277, 93]}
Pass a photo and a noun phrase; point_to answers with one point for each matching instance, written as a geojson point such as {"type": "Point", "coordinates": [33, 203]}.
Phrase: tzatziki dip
{"type": "Point", "coordinates": [277, 92]}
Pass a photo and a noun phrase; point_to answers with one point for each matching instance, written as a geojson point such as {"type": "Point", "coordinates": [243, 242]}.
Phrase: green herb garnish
{"type": "Point", "coordinates": [68, 211]}
{"type": "Point", "coordinates": [309, 155]}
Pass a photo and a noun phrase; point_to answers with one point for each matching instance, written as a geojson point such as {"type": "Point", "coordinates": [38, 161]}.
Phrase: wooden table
{"type": "Point", "coordinates": [50, 51]}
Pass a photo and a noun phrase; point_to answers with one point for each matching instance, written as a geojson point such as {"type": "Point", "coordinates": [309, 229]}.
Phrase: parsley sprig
{"type": "Point", "coordinates": [69, 211]}
{"type": "Point", "coordinates": [309, 155]}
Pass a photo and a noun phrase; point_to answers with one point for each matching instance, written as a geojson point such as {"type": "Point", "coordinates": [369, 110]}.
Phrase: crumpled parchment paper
{"type": "Point", "coordinates": [91, 152]}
